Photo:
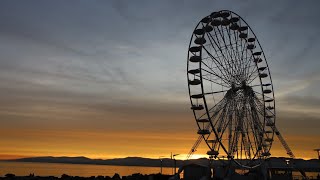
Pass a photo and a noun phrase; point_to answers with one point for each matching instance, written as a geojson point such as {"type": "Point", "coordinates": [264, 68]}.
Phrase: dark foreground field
{"type": "Point", "coordinates": [67, 177]}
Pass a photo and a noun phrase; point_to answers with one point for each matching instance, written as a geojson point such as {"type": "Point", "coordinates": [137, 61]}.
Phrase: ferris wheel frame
{"type": "Point", "coordinates": [238, 90]}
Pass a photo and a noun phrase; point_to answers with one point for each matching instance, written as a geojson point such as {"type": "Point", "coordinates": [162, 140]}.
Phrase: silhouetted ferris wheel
{"type": "Point", "coordinates": [231, 89]}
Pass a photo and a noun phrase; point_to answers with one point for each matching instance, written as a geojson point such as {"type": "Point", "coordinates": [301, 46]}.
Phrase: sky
{"type": "Point", "coordinates": [107, 79]}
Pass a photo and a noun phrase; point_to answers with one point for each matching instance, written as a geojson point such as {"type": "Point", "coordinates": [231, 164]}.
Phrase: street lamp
{"type": "Point", "coordinates": [175, 162]}
{"type": "Point", "coordinates": [160, 157]}
{"type": "Point", "coordinates": [318, 151]}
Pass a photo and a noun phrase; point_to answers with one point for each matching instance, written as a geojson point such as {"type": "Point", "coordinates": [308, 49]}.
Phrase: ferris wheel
{"type": "Point", "coordinates": [231, 90]}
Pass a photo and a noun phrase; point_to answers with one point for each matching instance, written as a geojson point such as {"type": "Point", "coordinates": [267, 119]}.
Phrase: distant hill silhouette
{"type": "Point", "coordinates": [309, 165]}
{"type": "Point", "coordinates": [128, 161]}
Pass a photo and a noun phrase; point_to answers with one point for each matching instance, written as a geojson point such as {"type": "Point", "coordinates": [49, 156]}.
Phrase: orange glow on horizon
{"type": "Point", "coordinates": [11, 156]}
{"type": "Point", "coordinates": [121, 144]}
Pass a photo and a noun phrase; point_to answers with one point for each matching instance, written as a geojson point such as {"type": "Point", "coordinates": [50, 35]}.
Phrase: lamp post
{"type": "Point", "coordinates": [318, 151]}
{"type": "Point", "coordinates": [175, 162]}
{"type": "Point", "coordinates": [160, 157]}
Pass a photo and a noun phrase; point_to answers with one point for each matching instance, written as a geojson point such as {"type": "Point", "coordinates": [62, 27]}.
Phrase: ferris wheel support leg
{"type": "Point", "coordinates": [229, 171]}
{"type": "Point", "coordinates": [264, 171]}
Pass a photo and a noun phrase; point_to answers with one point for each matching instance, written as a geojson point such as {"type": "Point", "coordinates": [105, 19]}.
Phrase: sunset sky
{"type": "Point", "coordinates": [106, 79]}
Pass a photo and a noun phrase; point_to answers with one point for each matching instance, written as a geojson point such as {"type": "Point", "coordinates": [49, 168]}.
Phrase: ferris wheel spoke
{"type": "Point", "coordinates": [214, 114]}
{"type": "Point", "coordinates": [240, 58]}
{"type": "Point", "coordinates": [245, 69]}
{"type": "Point", "coordinates": [234, 143]}
{"type": "Point", "coordinates": [262, 107]}
{"type": "Point", "coordinates": [251, 148]}
{"type": "Point", "coordinates": [209, 77]}
{"type": "Point", "coordinates": [247, 65]}
{"type": "Point", "coordinates": [251, 69]}
{"type": "Point", "coordinates": [259, 106]}
{"type": "Point", "coordinates": [235, 136]}
{"type": "Point", "coordinates": [258, 131]}
{"type": "Point", "coordinates": [236, 38]}
{"type": "Point", "coordinates": [261, 94]}
{"type": "Point", "coordinates": [228, 111]}
{"type": "Point", "coordinates": [243, 128]}
{"type": "Point", "coordinates": [251, 73]}
{"type": "Point", "coordinates": [214, 44]}
{"type": "Point", "coordinates": [255, 132]}
{"type": "Point", "coordinates": [245, 145]}
{"type": "Point", "coordinates": [214, 92]}
{"type": "Point", "coordinates": [255, 107]}
{"type": "Point", "coordinates": [227, 46]}
{"type": "Point", "coordinates": [251, 142]}
{"type": "Point", "coordinates": [255, 118]}
{"type": "Point", "coordinates": [218, 58]}
{"type": "Point", "coordinates": [217, 114]}
{"type": "Point", "coordinates": [252, 79]}
{"type": "Point", "coordinates": [243, 60]}
{"type": "Point", "coordinates": [244, 56]}
{"type": "Point", "coordinates": [217, 43]}
{"type": "Point", "coordinates": [242, 45]}
{"type": "Point", "coordinates": [249, 59]}
{"type": "Point", "coordinates": [227, 73]}
{"type": "Point", "coordinates": [255, 85]}
{"type": "Point", "coordinates": [221, 126]}
{"type": "Point", "coordinates": [210, 80]}
{"type": "Point", "coordinates": [219, 123]}
{"type": "Point", "coordinates": [227, 50]}
{"type": "Point", "coordinates": [216, 61]}
{"type": "Point", "coordinates": [225, 125]}
{"type": "Point", "coordinates": [215, 74]}
{"type": "Point", "coordinates": [218, 106]}
{"type": "Point", "coordinates": [221, 65]}
{"type": "Point", "coordinates": [235, 62]}
{"type": "Point", "coordinates": [230, 121]}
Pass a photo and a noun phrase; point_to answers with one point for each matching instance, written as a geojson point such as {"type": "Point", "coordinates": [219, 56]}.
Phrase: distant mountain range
{"type": "Point", "coordinates": [312, 164]}
{"type": "Point", "coordinates": [128, 161]}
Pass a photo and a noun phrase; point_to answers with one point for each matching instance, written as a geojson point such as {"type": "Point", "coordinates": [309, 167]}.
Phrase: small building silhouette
{"type": "Point", "coordinates": [195, 172]}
